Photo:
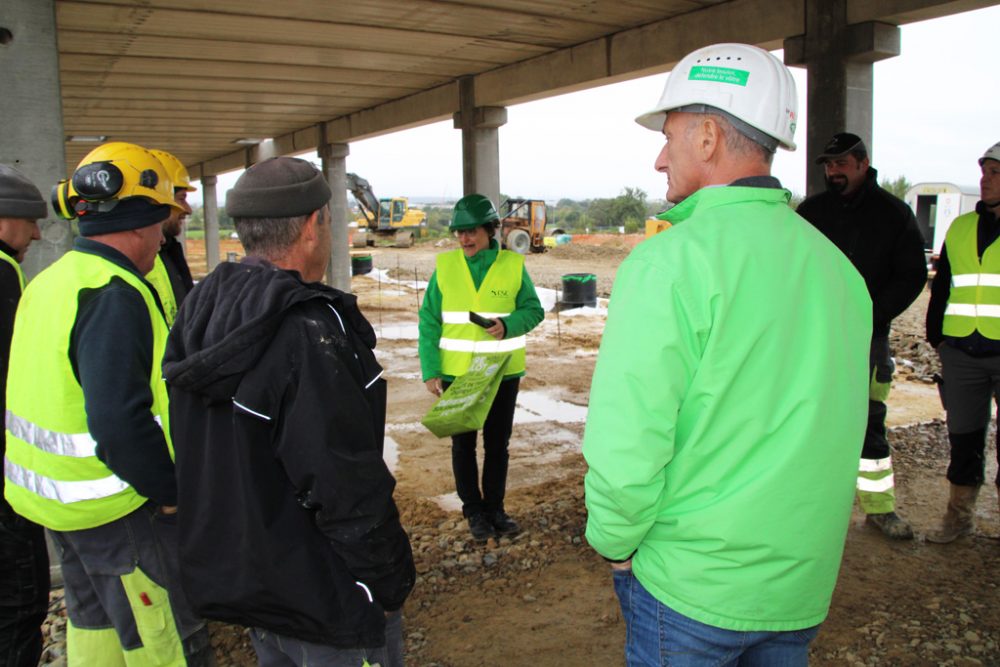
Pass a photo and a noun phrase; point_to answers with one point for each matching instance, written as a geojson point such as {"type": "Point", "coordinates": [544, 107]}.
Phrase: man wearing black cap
{"type": "Point", "coordinates": [879, 234]}
{"type": "Point", "coordinates": [24, 566]}
{"type": "Point", "coordinates": [88, 448]}
{"type": "Point", "coordinates": [278, 411]}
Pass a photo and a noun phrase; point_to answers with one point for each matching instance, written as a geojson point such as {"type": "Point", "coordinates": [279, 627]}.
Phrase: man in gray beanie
{"type": "Point", "coordinates": [24, 565]}
{"type": "Point", "coordinates": [278, 413]}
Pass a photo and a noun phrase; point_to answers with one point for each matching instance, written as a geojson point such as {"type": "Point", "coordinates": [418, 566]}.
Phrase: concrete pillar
{"type": "Point", "coordinates": [31, 112]}
{"type": "Point", "coordinates": [338, 271]}
{"type": "Point", "coordinates": [210, 202]}
{"type": "Point", "coordinates": [480, 142]}
{"type": "Point", "coordinates": [838, 58]}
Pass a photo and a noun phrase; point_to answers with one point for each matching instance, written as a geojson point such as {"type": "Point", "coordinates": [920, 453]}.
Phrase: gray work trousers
{"type": "Point", "coordinates": [275, 650]}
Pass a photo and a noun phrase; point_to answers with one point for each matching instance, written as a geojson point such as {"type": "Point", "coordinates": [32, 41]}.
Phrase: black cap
{"type": "Point", "coordinates": [841, 144]}
{"type": "Point", "coordinates": [280, 187]}
{"type": "Point", "coordinates": [19, 198]}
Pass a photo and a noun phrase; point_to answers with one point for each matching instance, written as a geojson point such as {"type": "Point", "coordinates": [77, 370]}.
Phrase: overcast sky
{"type": "Point", "coordinates": [937, 109]}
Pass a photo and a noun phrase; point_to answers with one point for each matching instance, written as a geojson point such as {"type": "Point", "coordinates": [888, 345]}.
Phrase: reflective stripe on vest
{"type": "Point", "coordinates": [17, 268]}
{"type": "Point", "coordinates": [77, 445]}
{"type": "Point", "coordinates": [54, 477]}
{"type": "Point", "coordinates": [974, 298]}
{"type": "Point", "coordinates": [496, 297]}
{"type": "Point", "coordinates": [62, 491]}
{"type": "Point", "coordinates": [160, 280]}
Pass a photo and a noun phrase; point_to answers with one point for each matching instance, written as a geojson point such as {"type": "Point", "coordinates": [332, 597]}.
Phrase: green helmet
{"type": "Point", "coordinates": [472, 211]}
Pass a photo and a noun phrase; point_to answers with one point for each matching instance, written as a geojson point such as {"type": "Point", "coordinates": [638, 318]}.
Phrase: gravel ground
{"type": "Point", "coordinates": [543, 599]}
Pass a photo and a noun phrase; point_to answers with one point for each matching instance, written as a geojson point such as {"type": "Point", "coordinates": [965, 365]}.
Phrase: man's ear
{"type": "Point", "coordinates": [309, 231]}
{"type": "Point", "coordinates": [709, 138]}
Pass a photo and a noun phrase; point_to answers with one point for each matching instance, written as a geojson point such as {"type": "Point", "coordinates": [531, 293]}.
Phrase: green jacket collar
{"type": "Point", "coordinates": [722, 195]}
{"type": "Point", "coordinates": [486, 255]}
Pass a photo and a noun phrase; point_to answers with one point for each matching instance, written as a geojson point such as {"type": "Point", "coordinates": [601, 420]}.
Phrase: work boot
{"type": "Point", "coordinates": [958, 517]}
{"type": "Point", "coordinates": [480, 527]}
{"type": "Point", "coordinates": [504, 524]}
{"type": "Point", "coordinates": [891, 525]}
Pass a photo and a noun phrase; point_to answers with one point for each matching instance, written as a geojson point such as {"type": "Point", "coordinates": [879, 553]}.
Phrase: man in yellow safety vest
{"type": "Point", "coordinates": [963, 324]}
{"type": "Point", "coordinates": [88, 447]}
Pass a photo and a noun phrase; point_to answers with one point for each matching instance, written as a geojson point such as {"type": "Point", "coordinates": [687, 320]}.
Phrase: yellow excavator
{"type": "Point", "coordinates": [389, 219]}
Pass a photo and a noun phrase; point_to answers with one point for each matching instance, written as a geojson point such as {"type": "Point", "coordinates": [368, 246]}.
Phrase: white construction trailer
{"type": "Point", "coordinates": [936, 205]}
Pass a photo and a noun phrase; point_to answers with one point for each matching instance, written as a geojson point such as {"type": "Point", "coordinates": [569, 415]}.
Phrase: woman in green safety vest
{"type": "Point", "coordinates": [479, 278]}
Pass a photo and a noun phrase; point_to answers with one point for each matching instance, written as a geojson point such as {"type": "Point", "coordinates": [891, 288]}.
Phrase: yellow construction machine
{"type": "Point", "coordinates": [522, 225]}
{"type": "Point", "coordinates": [389, 219]}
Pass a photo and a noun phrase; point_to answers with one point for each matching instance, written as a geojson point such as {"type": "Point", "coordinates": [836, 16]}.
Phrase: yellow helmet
{"type": "Point", "coordinates": [175, 169]}
{"type": "Point", "coordinates": [110, 173]}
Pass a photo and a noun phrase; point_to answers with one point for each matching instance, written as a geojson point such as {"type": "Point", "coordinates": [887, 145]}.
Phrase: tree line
{"type": "Point", "coordinates": [628, 211]}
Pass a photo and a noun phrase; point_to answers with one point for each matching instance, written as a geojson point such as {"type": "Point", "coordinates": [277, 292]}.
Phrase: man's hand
{"type": "Point", "coordinates": [434, 386]}
{"type": "Point", "coordinates": [168, 509]}
{"type": "Point", "coordinates": [627, 565]}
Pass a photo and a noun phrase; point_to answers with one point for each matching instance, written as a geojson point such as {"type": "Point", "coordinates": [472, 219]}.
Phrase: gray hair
{"type": "Point", "coordinates": [740, 138]}
{"type": "Point", "coordinates": [271, 238]}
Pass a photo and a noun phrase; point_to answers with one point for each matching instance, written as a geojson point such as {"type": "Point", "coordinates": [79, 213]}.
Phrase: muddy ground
{"type": "Point", "coordinates": [545, 599]}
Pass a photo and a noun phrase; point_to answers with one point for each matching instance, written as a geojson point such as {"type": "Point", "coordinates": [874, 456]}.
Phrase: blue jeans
{"type": "Point", "coordinates": [657, 636]}
{"type": "Point", "coordinates": [275, 650]}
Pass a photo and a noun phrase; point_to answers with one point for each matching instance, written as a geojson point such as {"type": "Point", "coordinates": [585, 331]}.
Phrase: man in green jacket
{"type": "Point", "coordinates": [730, 395]}
{"type": "Point", "coordinates": [479, 278]}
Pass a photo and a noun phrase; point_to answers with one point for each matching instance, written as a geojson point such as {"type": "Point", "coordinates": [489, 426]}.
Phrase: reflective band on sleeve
{"type": "Point", "coordinates": [63, 491]}
{"type": "Point", "coordinates": [462, 316]}
{"type": "Point", "coordinates": [366, 590]}
{"type": "Point", "coordinates": [876, 485]}
{"type": "Point", "coordinates": [339, 320]}
{"type": "Point", "coordinates": [374, 379]}
{"type": "Point", "coordinates": [875, 465]}
{"type": "Point", "coordinates": [482, 346]}
{"type": "Point", "coordinates": [244, 408]}
{"type": "Point", "coordinates": [976, 279]}
{"type": "Point", "coordinates": [972, 310]}
{"type": "Point", "coordinates": [77, 445]}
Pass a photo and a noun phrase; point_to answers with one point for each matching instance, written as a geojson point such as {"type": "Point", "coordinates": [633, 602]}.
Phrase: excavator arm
{"type": "Point", "coordinates": [365, 197]}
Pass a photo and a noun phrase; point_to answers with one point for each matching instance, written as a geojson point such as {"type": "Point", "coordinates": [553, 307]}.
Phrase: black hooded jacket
{"type": "Point", "coordinates": [277, 411]}
{"type": "Point", "coordinates": [878, 232]}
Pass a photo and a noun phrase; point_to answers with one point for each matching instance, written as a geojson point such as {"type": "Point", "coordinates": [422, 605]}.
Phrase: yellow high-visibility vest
{"type": "Point", "coordinates": [160, 280]}
{"type": "Point", "coordinates": [496, 297]}
{"type": "Point", "coordinates": [17, 268]}
{"type": "Point", "coordinates": [974, 299]}
{"type": "Point", "coordinates": [53, 475]}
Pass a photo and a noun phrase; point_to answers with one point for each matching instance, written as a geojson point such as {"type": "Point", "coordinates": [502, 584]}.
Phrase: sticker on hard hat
{"type": "Point", "coordinates": [736, 77]}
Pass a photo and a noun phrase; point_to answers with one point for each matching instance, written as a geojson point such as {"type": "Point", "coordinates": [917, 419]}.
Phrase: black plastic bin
{"type": "Point", "coordinates": [579, 289]}
{"type": "Point", "coordinates": [361, 264]}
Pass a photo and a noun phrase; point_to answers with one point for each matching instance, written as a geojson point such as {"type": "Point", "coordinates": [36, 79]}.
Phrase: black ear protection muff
{"type": "Point", "coordinates": [99, 181]}
{"type": "Point", "coordinates": [60, 201]}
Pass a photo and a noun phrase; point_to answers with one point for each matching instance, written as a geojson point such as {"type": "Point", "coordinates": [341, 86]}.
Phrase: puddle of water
{"type": "Point", "coordinates": [537, 406]}
{"type": "Point", "coordinates": [449, 502]}
{"type": "Point", "coordinates": [547, 297]}
{"type": "Point", "coordinates": [600, 310]}
{"type": "Point", "coordinates": [382, 276]}
{"type": "Point", "coordinates": [402, 331]}
{"type": "Point", "coordinates": [390, 454]}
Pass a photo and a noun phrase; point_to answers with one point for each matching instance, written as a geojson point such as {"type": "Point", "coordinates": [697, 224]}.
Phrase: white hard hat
{"type": "Point", "coordinates": [744, 81]}
{"type": "Point", "coordinates": [992, 153]}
